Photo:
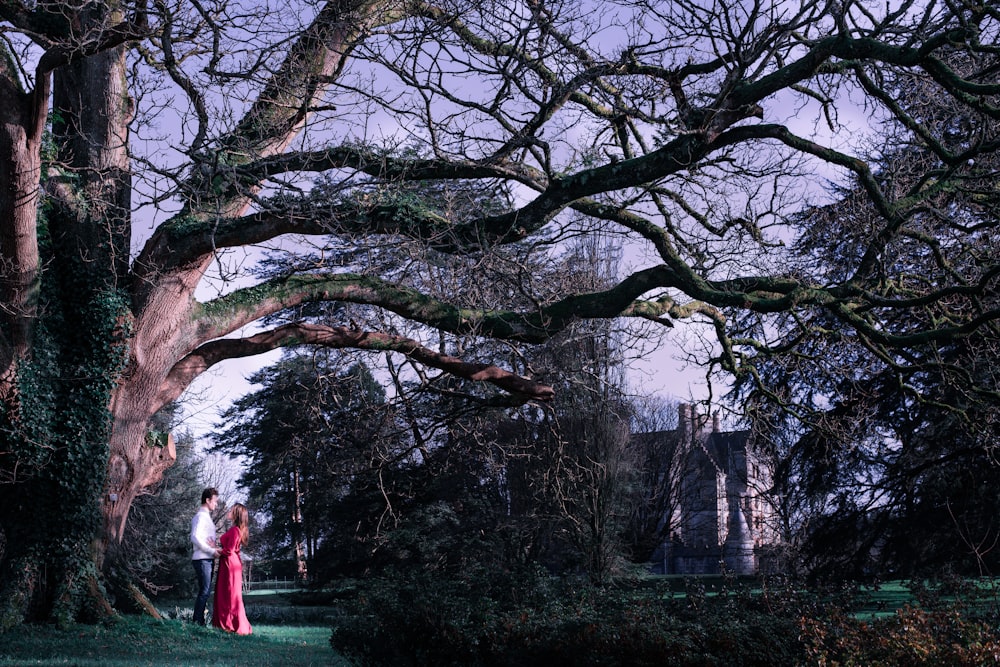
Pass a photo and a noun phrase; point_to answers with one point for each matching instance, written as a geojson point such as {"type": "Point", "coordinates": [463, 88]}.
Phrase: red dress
{"type": "Point", "coordinates": [227, 609]}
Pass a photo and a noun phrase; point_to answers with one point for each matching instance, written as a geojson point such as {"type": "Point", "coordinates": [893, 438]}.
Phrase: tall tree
{"type": "Point", "coordinates": [655, 487]}
{"type": "Point", "coordinates": [303, 437]}
{"type": "Point", "coordinates": [566, 470]}
{"type": "Point", "coordinates": [892, 467]}
{"type": "Point", "coordinates": [140, 140]}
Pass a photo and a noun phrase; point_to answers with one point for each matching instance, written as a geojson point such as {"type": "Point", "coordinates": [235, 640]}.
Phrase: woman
{"type": "Point", "coordinates": [227, 610]}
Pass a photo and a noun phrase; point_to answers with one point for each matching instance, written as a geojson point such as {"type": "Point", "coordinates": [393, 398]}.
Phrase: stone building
{"type": "Point", "coordinates": [720, 517]}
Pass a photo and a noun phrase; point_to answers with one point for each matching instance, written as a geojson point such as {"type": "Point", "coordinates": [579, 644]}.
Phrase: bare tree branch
{"type": "Point", "coordinates": [211, 353]}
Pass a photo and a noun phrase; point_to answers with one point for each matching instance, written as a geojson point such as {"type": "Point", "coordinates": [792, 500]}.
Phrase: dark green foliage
{"type": "Point", "coordinates": [304, 437]}
{"type": "Point", "coordinates": [526, 618]}
{"type": "Point", "coordinates": [441, 515]}
{"type": "Point", "coordinates": [54, 459]}
{"type": "Point", "coordinates": [888, 465]}
{"type": "Point", "coordinates": [910, 638]}
{"type": "Point", "coordinates": [884, 481]}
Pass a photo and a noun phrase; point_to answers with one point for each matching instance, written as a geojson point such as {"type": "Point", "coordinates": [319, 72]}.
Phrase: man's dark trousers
{"type": "Point", "coordinates": [203, 572]}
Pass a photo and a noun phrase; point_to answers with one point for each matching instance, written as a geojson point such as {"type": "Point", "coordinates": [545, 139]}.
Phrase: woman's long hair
{"type": "Point", "coordinates": [241, 519]}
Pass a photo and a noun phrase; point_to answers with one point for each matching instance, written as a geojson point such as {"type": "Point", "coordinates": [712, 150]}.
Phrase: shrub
{"type": "Point", "coordinates": [415, 620]}
{"type": "Point", "coordinates": [911, 638]}
{"type": "Point", "coordinates": [533, 619]}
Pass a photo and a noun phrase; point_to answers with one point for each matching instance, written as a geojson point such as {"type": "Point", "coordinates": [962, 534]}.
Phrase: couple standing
{"type": "Point", "coordinates": [227, 609]}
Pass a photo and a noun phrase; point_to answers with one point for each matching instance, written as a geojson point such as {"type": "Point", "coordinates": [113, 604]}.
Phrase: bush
{"type": "Point", "coordinates": [535, 620]}
{"type": "Point", "coordinates": [911, 638]}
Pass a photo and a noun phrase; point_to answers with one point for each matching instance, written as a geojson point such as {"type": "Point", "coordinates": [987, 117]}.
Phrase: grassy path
{"type": "Point", "coordinates": [143, 642]}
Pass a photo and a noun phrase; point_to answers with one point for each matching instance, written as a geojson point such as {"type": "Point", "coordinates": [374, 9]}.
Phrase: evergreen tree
{"type": "Point", "coordinates": [303, 438]}
{"type": "Point", "coordinates": [890, 463]}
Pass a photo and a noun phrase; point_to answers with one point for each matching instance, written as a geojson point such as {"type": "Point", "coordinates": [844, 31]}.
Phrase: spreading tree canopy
{"type": "Point", "coordinates": [141, 141]}
{"type": "Point", "coordinates": [891, 463]}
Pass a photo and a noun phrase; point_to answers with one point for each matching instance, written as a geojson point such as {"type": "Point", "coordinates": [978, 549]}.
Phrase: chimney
{"type": "Point", "coordinates": [699, 422]}
{"type": "Point", "coordinates": [715, 422]}
{"type": "Point", "coordinates": [684, 422]}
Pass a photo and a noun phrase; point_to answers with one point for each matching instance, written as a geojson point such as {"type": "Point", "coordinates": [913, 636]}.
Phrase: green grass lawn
{"type": "Point", "coordinates": [144, 642]}
{"type": "Point", "coordinates": [890, 596]}
{"type": "Point", "coordinates": [294, 629]}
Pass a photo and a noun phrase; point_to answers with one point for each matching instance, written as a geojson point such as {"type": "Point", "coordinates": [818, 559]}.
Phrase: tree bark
{"type": "Point", "coordinates": [301, 565]}
{"type": "Point", "coordinates": [115, 331]}
{"type": "Point", "coordinates": [22, 118]}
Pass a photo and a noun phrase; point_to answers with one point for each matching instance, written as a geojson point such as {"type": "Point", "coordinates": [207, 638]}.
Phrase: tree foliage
{"type": "Point", "coordinates": [893, 465]}
{"type": "Point", "coordinates": [302, 439]}
{"type": "Point", "coordinates": [437, 486]}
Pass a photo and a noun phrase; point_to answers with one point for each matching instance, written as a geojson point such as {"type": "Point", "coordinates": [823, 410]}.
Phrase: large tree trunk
{"type": "Point", "coordinates": [81, 383]}
{"type": "Point", "coordinates": [22, 118]}
{"type": "Point", "coordinates": [64, 395]}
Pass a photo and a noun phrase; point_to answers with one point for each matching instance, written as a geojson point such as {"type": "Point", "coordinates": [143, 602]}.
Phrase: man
{"type": "Point", "coordinates": [205, 550]}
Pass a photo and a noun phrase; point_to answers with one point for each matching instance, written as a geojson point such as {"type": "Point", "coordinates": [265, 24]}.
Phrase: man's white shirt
{"type": "Point", "coordinates": [203, 535]}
